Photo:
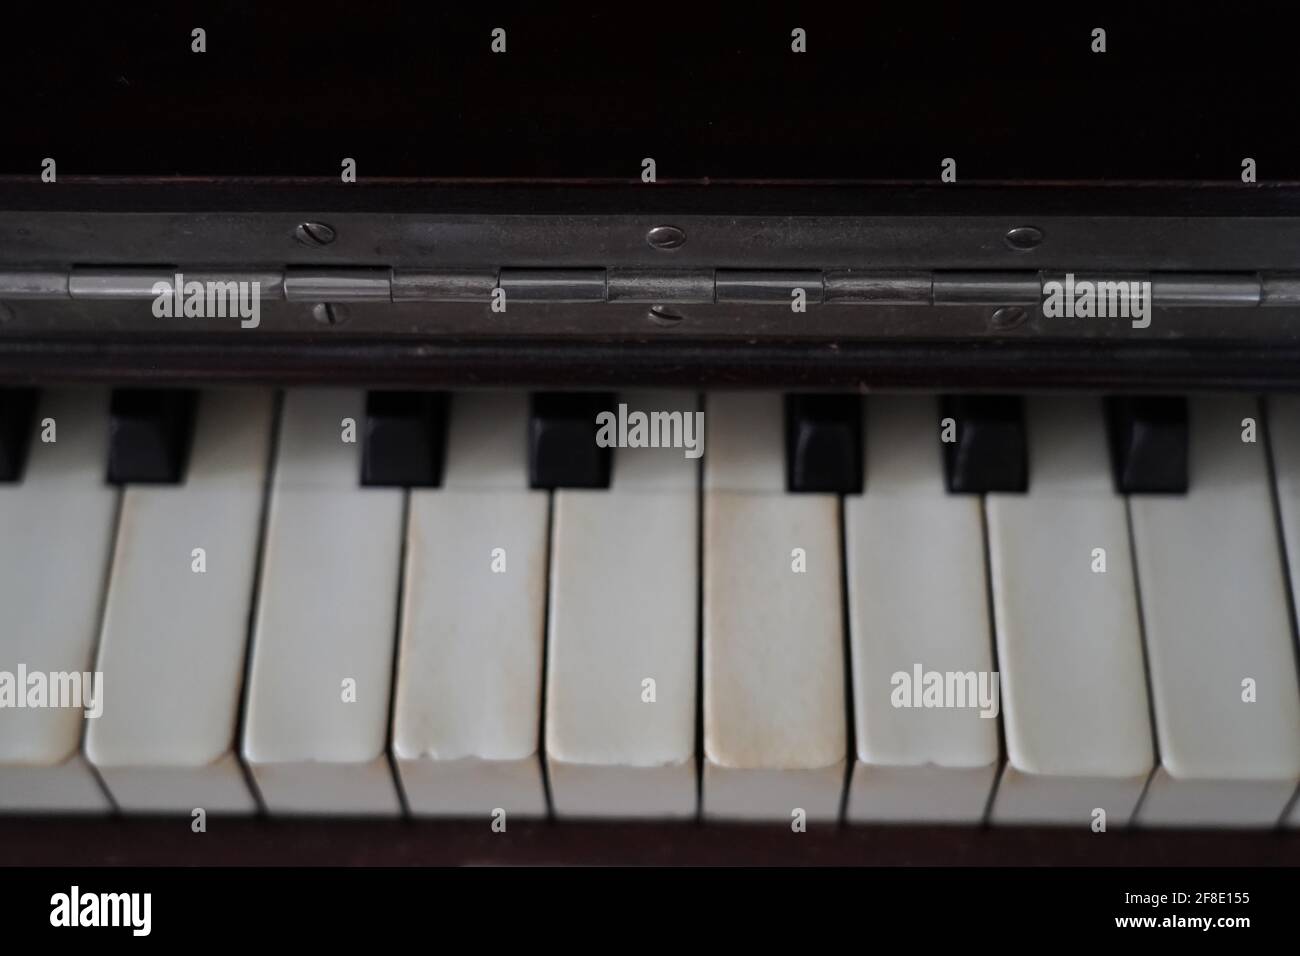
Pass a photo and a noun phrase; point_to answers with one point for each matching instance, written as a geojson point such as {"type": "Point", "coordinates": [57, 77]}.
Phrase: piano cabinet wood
{"type": "Point", "coordinates": [544, 363]}
{"type": "Point", "coordinates": [254, 842]}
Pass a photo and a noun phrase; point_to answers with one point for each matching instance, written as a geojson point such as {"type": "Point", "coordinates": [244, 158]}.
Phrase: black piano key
{"type": "Point", "coordinates": [405, 437]}
{"type": "Point", "coordinates": [17, 414]}
{"type": "Point", "coordinates": [562, 449]}
{"type": "Point", "coordinates": [150, 432]}
{"type": "Point", "coordinates": [989, 452]}
{"type": "Point", "coordinates": [823, 443]}
{"type": "Point", "coordinates": [1148, 443]}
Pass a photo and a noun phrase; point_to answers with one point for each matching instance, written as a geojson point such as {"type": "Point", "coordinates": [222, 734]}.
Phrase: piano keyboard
{"type": "Point", "coordinates": [898, 609]}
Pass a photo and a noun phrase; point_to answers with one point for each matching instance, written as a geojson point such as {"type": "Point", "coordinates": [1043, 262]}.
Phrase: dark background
{"type": "Point", "coordinates": [712, 92]}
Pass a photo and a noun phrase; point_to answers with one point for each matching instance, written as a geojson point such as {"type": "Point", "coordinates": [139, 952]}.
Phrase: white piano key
{"type": "Point", "coordinates": [918, 598]}
{"type": "Point", "coordinates": [1214, 604]}
{"type": "Point", "coordinates": [173, 640]}
{"type": "Point", "coordinates": [775, 728]}
{"type": "Point", "coordinates": [56, 530]}
{"type": "Point", "coordinates": [624, 582]}
{"type": "Point", "coordinates": [1074, 708]}
{"type": "Point", "coordinates": [746, 442]}
{"type": "Point", "coordinates": [467, 716]}
{"type": "Point", "coordinates": [1284, 438]}
{"type": "Point", "coordinates": [316, 720]}
{"type": "Point", "coordinates": [487, 442]}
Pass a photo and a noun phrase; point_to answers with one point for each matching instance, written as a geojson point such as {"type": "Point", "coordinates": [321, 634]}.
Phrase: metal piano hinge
{"type": "Point", "coordinates": [553, 285]}
{"type": "Point", "coordinates": [1166, 289]}
{"type": "Point", "coordinates": [987, 288]}
{"type": "Point", "coordinates": [338, 285]}
{"type": "Point", "coordinates": [652, 286]}
{"type": "Point", "coordinates": [769, 287]}
{"type": "Point", "coordinates": [95, 282]}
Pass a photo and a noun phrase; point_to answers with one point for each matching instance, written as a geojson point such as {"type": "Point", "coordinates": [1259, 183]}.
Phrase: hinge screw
{"type": "Point", "coordinates": [665, 238]}
{"type": "Point", "coordinates": [664, 315]}
{"type": "Point", "coordinates": [314, 233]}
{"type": "Point", "coordinates": [1008, 317]}
{"type": "Point", "coordinates": [327, 313]}
{"type": "Point", "coordinates": [1024, 238]}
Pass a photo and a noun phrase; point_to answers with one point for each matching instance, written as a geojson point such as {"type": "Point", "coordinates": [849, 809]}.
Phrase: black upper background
{"type": "Point", "coordinates": [884, 93]}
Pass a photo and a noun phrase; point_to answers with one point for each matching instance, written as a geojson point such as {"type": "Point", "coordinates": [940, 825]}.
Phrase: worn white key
{"type": "Point", "coordinates": [1218, 632]}
{"type": "Point", "coordinates": [1284, 437]}
{"type": "Point", "coordinates": [175, 624]}
{"type": "Point", "coordinates": [746, 446]}
{"type": "Point", "coordinates": [56, 530]}
{"type": "Point", "coordinates": [918, 605]}
{"type": "Point", "coordinates": [1074, 707]}
{"type": "Point", "coordinates": [466, 720]}
{"type": "Point", "coordinates": [775, 728]}
{"type": "Point", "coordinates": [315, 727]}
{"type": "Point", "coordinates": [621, 658]}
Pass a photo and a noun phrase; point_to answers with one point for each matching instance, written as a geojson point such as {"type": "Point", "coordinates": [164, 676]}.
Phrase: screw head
{"type": "Point", "coordinates": [314, 233]}
{"type": "Point", "coordinates": [664, 315]}
{"type": "Point", "coordinates": [665, 238]}
{"type": "Point", "coordinates": [1007, 317]}
{"type": "Point", "coordinates": [327, 313]}
{"type": "Point", "coordinates": [1024, 238]}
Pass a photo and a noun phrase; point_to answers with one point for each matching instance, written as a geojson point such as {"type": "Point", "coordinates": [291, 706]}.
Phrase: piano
{"type": "Point", "coordinates": [578, 444]}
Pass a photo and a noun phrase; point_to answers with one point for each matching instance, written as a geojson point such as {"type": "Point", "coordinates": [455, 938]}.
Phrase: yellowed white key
{"type": "Point", "coordinates": [1219, 638]}
{"type": "Point", "coordinates": [175, 627]}
{"type": "Point", "coordinates": [467, 714]}
{"type": "Point", "coordinates": [1074, 706]}
{"type": "Point", "coordinates": [620, 721]}
{"type": "Point", "coordinates": [56, 530]}
{"type": "Point", "coordinates": [918, 608]}
{"type": "Point", "coordinates": [1284, 438]}
{"type": "Point", "coordinates": [316, 720]}
{"type": "Point", "coordinates": [775, 727]}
